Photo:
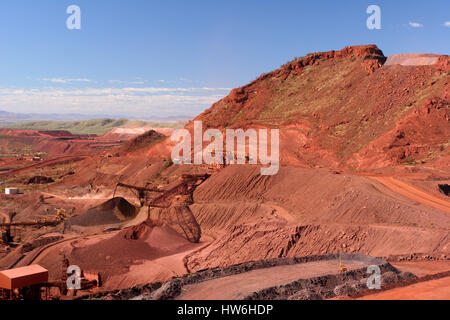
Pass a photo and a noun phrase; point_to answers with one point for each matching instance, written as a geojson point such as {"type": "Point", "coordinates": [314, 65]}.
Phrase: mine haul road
{"type": "Point", "coordinates": [412, 193]}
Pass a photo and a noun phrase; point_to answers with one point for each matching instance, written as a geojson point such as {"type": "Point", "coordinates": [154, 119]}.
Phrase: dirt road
{"type": "Point", "coordinates": [413, 193]}
{"type": "Point", "coordinates": [239, 286]}
{"type": "Point", "coordinates": [45, 163]}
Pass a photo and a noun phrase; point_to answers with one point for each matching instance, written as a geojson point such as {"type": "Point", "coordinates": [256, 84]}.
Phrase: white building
{"type": "Point", "coordinates": [11, 191]}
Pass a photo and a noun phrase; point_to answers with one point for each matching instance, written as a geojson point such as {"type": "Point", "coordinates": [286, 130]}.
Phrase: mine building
{"type": "Point", "coordinates": [25, 283]}
{"type": "Point", "coordinates": [11, 191]}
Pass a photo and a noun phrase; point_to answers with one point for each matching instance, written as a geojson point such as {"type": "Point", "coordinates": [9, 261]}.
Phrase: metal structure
{"type": "Point", "coordinates": [7, 228]}
{"type": "Point", "coordinates": [175, 200]}
{"type": "Point", "coordinates": [142, 193]}
{"type": "Point", "coordinates": [43, 222]}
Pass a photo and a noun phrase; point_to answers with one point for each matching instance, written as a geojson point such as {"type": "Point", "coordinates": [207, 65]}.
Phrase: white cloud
{"type": "Point", "coordinates": [415, 24]}
{"type": "Point", "coordinates": [127, 82]}
{"type": "Point", "coordinates": [446, 24]}
{"type": "Point", "coordinates": [62, 80]}
{"type": "Point", "coordinates": [131, 101]}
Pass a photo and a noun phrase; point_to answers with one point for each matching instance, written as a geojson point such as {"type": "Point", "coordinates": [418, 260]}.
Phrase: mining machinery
{"type": "Point", "coordinates": [173, 202]}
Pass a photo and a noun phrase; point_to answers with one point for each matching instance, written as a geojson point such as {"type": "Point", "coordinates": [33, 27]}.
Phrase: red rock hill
{"type": "Point", "coordinates": [347, 109]}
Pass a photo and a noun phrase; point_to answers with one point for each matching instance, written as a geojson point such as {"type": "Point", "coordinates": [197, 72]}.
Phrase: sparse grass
{"type": "Point", "coordinates": [145, 140]}
{"type": "Point", "coordinates": [165, 165]}
{"type": "Point", "coordinates": [410, 161]}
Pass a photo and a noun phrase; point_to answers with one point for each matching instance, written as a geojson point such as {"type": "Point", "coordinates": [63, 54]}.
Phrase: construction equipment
{"type": "Point", "coordinates": [60, 215]}
{"type": "Point", "coordinates": [7, 228]}
{"type": "Point", "coordinates": [142, 193]}
{"type": "Point", "coordinates": [189, 183]}
{"type": "Point", "coordinates": [174, 203]}
{"type": "Point", "coordinates": [342, 267]}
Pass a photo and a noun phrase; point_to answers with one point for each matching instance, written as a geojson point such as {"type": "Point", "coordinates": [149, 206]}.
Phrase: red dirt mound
{"type": "Point", "coordinates": [146, 139]}
{"type": "Point", "coordinates": [112, 211]}
{"type": "Point", "coordinates": [137, 232]}
{"type": "Point", "coordinates": [129, 247]}
{"type": "Point", "coordinates": [303, 211]}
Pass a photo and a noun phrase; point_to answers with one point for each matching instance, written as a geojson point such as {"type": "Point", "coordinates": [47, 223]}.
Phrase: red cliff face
{"type": "Point", "coordinates": [372, 58]}
{"type": "Point", "coordinates": [443, 64]}
{"type": "Point", "coordinates": [330, 106]}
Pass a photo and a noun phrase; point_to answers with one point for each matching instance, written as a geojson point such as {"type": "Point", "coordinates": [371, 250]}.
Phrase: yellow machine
{"type": "Point", "coordinates": [60, 214]}
{"type": "Point", "coordinates": [342, 267]}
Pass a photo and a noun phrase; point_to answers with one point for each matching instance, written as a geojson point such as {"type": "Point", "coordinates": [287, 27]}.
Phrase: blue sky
{"type": "Point", "coordinates": [171, 58]}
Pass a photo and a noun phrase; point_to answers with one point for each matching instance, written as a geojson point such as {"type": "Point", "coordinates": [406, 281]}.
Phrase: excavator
{"type": "Point", "coordinates": [174, 203]}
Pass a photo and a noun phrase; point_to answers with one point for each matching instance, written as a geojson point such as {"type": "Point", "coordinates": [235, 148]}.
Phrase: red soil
{"type": "Point", "coordinates": [112, 211]}
{"type": "Point", "coordinates": [438, 289]}
{"type": "Point", "coordinates": [303, 211]}
{"type": "Point", "coordinates": [346, 109]}
{"type": "Point", "coordinates": [115, 255]}
{"type": "Point", "coordinates": [423, 268]}
{"type": "Point", "coordinates": [58, 143]}
{"type": "Point", "coordinates": [414, 137]}
{"type": "Point", "coordinates": [414, 194]}
{"type": "Point", "coordinates": [341, 110]}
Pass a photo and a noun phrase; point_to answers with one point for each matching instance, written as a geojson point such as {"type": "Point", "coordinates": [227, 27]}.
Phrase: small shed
{"type": "Point", "coordinates": [11, 191]}
{"type": "Point", "coordinates": [23, 277]}
{"type": "Point", "coordinates": [25, 282]}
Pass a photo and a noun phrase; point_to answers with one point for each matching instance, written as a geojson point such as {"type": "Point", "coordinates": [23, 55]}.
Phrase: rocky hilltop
{"type": "Point", "coordinates": [348, 108]}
